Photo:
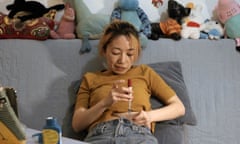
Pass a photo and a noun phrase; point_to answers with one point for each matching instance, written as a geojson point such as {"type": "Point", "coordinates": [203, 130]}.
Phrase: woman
{"type": "Point", "coordinates": [114, 112]}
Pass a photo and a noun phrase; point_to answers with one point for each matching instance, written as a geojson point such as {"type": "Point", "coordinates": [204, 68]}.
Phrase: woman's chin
{"type": "Point", "coordinates": [119, 72]}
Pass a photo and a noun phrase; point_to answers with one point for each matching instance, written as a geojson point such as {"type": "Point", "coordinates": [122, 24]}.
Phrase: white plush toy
{"type": "Point", "coordinates": [191, 26]}
{"type": "Point", "coordinates": [211, 29]}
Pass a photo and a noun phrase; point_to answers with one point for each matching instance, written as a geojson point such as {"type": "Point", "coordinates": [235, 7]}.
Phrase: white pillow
{"type": "Point", "coordinates": [3, 4]}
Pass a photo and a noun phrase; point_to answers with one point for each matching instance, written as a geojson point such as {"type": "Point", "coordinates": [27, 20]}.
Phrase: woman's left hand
{"type": "Point", "coordinates": [143, 119]}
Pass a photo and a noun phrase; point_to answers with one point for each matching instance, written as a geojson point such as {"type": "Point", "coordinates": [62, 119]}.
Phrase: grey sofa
{"type": "Point", "coordinates": [45, 74]}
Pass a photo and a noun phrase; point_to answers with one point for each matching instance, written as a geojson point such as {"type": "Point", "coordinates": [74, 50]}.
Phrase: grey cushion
{"type": "Point", "coordinates": [172, 131]}
{"type": "Point", "coordinates": [170, 134]}
{"type": "Point", "coordinates": [171, 72]}
{"type": "Point", "coordinates": [67, 129]}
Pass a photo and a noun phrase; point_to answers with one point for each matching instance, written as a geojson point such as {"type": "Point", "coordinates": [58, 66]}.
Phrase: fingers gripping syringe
{"type": "Point", "coordinates": [130, 101]}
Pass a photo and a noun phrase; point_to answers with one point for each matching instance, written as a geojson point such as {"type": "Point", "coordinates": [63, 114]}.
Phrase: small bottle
{"type": "Point", "coordinates": [52, 133]}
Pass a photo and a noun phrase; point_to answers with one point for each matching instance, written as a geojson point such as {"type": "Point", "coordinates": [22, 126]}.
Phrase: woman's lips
{"type": "Point", "coordinates": [120, 68]}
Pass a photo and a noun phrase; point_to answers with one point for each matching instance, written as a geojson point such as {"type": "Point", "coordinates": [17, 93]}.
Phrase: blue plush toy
{"type": "Point", "coordinates": [129, 10]}
{"type": "Point", "coordinates": [212, 30]}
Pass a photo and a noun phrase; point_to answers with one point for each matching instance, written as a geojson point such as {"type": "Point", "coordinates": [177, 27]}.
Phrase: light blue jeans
{"type": "Point", "coordinates": [120, 131]}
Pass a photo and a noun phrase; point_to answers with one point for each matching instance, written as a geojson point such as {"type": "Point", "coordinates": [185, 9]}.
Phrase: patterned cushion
{"type": "Point", "coordinates": [37, 29]}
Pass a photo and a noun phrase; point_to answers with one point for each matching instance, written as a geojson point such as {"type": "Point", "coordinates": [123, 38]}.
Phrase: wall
{"type": "Point", "coordinates": [106, 6]}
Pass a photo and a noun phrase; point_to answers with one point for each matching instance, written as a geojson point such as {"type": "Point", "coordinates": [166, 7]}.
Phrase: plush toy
{"type": "Point", "coordinates": [89, 26]}
{"type": "Point", "coordinates": [191, 26]}
{"type": "Point", "coordinates": [237, 43]}
{"type": "Point", "coordinates": [170, 28]}
{"type": "Point", "coordinates": [37, 29]}
{"type": "Point", "coordinates": [129, 10]}
{"type": "Point", "coordinates": [178, 11]}
{"type": "Point", "coordinates": [66, 26]}
{"type": "Point", "coordinates": [228, 12]}
{"type": "Point", "coordinates": [212, 30]}
{"type": "Point", "coordinates": [32, 9]}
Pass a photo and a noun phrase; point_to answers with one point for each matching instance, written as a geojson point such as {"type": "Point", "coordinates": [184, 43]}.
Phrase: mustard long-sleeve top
{"type": "Point", "coordinates": [145, 82]}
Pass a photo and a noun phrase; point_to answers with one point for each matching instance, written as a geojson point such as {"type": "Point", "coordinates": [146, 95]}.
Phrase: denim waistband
{"type": "Point", "coordinates": [116, 122]}
{"type": "Point", "coordinates": [113, 125]}
{"type": "Point", "coordinates": [120, 131]}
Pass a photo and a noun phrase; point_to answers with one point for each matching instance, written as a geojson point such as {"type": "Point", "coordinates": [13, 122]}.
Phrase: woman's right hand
{"type": "Point", "coordinates": [119, 92]}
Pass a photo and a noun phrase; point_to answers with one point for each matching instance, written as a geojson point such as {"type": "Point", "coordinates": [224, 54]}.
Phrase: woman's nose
{"type": "Point", "coordinates": [122, 58]}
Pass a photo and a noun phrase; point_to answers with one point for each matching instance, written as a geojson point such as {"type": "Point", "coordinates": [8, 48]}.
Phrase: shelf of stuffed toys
{"type": "Point", "coordinates": [32, 20]}
{"type": "Point", "coordinates": [77, 22]}
{"type": "Point", "coordinates": [189, 22]}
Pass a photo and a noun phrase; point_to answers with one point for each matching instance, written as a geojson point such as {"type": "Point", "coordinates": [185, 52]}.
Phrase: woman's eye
{"type": "Point", "coordinates": [115, 53]}
{"type": "Point", "coordinates": [130, 54]}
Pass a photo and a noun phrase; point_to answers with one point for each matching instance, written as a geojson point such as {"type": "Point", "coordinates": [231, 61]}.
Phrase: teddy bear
{"type": "Point", "coordinates": [228, 12]}
{"type": "Point", "coordinates": [171, 27]}
{"type": "Point", "coordinates": [192, 25]}
{"type": "Point", "coordinates": [211, 29]}
{"type": "Point", "coordinates": [66, 26]}
{"type": "Point", "coordinates": [129, 10]}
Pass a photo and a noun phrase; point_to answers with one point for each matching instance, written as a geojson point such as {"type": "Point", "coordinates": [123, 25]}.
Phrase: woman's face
{"type": "Point", "coordinates": [120, 55]}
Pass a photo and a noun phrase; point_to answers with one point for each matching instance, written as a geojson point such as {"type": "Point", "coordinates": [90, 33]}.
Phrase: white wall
{"type": "Point", "coordinates": [106, 6]}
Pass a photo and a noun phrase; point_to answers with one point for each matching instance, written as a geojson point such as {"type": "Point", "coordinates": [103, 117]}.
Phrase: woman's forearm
{"type": "Point", "coordinates": [82, 117]}
{"type": "Point", "coordinates": [173, 109]}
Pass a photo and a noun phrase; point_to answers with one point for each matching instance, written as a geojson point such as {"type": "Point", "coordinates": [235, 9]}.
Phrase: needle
{"type": "Point", "coordinates": [129, 102]}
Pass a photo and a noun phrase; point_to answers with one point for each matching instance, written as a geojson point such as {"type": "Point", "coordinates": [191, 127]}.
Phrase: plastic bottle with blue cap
{"type": "Point", "coordinates": [51, 132]}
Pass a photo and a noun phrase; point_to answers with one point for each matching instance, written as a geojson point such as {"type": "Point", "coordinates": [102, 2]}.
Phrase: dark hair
{"type": "Point", "coordinates": [118, 28]}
